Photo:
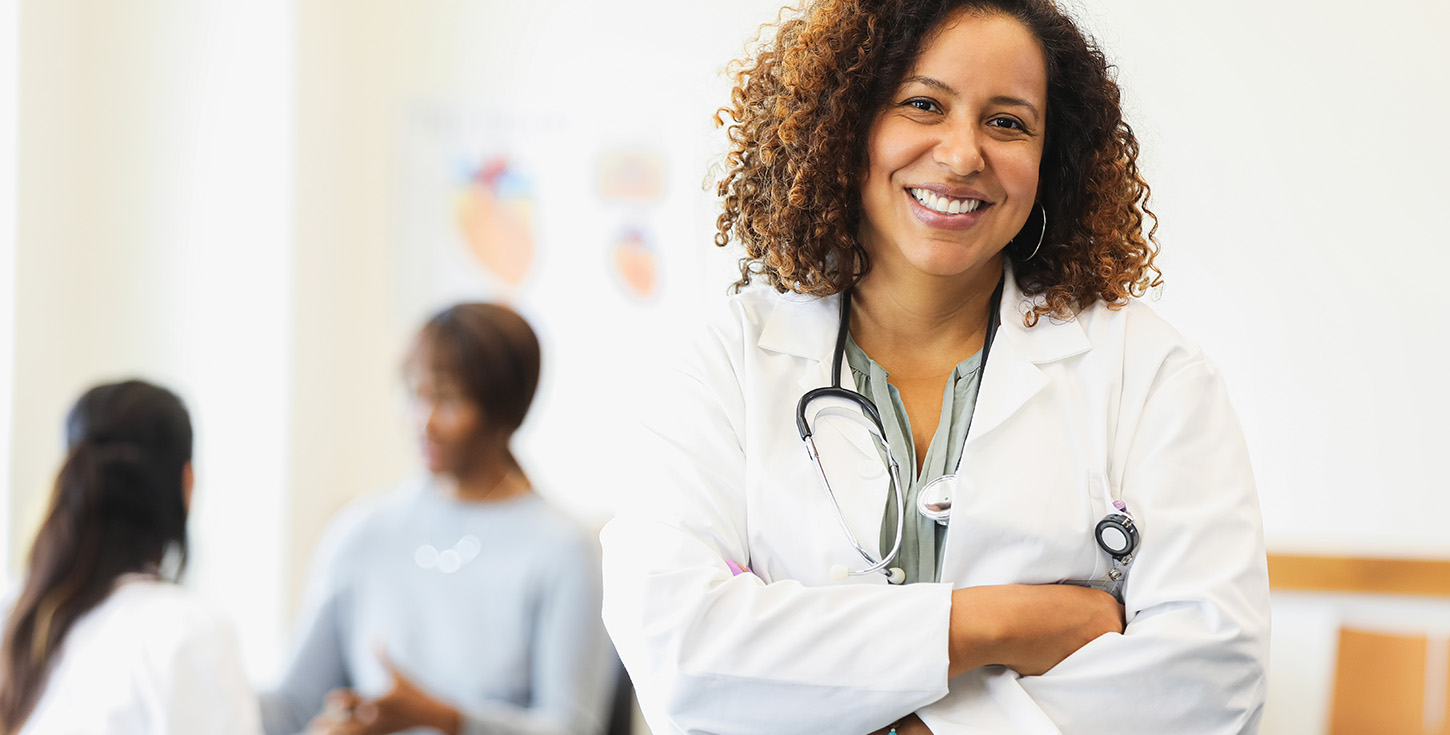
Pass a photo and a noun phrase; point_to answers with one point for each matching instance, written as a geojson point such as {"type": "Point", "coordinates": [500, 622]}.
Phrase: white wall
{"type": "Point", "coordinates": [154, 240]}
{"type": "Point", "coordinates": [1297, 159]}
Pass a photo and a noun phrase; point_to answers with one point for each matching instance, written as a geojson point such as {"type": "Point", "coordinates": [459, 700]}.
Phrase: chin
{"type": "Point", "coordinates": [944, 263]}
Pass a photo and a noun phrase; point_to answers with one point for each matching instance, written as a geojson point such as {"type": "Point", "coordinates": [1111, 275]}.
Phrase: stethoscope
{"type": "Point", "coordinates": [1116, 534]}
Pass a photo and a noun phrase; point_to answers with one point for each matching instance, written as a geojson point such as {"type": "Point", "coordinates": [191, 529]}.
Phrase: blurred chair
{"type": "Point", "coordinates": [1386, 682]}
{"type": "Point", "coordinates": [1390, 683]}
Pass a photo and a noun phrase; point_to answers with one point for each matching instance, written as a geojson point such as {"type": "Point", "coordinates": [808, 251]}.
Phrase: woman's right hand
{"type": "Point", "coordinates": [337, 713]}
{"type": "Point", "coordinates": [1028, 628]}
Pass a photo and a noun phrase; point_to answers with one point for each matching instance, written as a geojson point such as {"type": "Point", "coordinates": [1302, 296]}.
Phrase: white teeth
{"type": "Point", "coordinates": [943, 204]}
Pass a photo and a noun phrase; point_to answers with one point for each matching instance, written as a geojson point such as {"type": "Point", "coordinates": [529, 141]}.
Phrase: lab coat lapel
{"type": "Point", "coordinates": [1012, 375]}
{"type": "Point", "coordinates": [1010, 381]}
{"type": "Point", "coordinates": [806, 328]}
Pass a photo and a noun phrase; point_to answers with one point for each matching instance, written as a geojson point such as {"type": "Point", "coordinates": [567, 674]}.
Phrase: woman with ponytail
{"type": "Point", "coordinates": [100, 640]}
{"type": "Point", "coordinates": [461, 601]}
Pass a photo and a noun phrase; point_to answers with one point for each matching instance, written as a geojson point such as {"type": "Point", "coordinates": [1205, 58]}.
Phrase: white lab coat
{"type": "Point", "coordinates": [1071, 414]}
{"type": "Point", "coordinates": [152, 659]}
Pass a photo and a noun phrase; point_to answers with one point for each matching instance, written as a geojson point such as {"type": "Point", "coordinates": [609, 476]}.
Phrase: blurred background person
{"type": "Point", "coordinates": [101, 639]}
{"type": "Point", "coordinates": [461, 601]}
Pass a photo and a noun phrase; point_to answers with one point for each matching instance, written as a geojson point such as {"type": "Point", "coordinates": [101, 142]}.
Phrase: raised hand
{"type": "Point", "coordinates": [403, 707]}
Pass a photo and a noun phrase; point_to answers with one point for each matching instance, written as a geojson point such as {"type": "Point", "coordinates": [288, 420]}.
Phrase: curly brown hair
{"type": "Point", "coordinates": [802, 109]}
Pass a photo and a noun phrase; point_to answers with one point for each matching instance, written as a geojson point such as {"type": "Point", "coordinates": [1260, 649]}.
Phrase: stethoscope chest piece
{"type": "Point", "coordinates": [935, 500]}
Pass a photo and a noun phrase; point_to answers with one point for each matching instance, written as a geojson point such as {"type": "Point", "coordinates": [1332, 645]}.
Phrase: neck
{"type": "Point", "coordinates": [923, 324]}
{"type": "Point", "coordinates": [490, 482]}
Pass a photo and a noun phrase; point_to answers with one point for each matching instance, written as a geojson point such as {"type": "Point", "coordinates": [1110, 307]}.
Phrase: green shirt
{"type": "Point", "coordinates": [922, 538]}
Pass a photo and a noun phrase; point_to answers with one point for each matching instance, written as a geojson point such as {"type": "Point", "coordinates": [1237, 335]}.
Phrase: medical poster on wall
{"type": "Point", "coordinates": [599, 237]}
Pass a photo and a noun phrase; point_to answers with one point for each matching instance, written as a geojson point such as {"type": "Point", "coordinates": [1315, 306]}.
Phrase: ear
{"type": "Point", "coordinates": [188, 479]}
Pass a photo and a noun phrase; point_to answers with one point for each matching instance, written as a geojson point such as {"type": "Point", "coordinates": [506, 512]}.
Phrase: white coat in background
{"type": "Point", "coordinates": [1113, 403]}
{"type": "Point", "coordinates": [152, 659]}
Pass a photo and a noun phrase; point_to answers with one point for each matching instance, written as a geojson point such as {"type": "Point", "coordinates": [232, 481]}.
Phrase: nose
{"type": "Point", "coordinates": [424, 415]}
{"type": "Point", "coordinates": [959, 150]}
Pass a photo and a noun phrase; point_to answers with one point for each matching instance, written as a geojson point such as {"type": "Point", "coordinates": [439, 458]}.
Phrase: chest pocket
{"type": "Point", "coordinates": [1034, 525]}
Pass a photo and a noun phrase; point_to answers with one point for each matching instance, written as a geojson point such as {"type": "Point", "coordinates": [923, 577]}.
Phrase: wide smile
{"type": "Point", "coordinates": [946, 212]}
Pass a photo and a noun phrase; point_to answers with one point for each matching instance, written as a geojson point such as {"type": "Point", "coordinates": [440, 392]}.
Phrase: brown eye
{"type": "Point", "coordinates": [923, 104]}
{"type": "Point", "coordinates": [1008, 123]}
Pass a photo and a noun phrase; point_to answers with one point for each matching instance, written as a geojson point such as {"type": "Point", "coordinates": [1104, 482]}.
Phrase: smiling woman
{"type": "Point", "coordinates": [806, 105]}
{"type": "Point", "coordinates": [1057, 516]}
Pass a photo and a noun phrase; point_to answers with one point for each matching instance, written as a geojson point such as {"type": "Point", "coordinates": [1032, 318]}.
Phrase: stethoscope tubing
{"type": "Point", "coordinates": [1121, 554]}
{"type": "Point", "coordinates": [874, 565]}
{"type": "Point", "coordinates": [834, 390]}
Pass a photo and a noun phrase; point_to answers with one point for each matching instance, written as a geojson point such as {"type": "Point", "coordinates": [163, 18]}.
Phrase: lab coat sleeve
{"type": "Point", "coordinates": [205, 684]}
{"type": "Point", "coordinates": [709, 652]}
{"type": "Point", "coordinates": [573, 671]}
{"type": "Point", "coordinates": [1194, 653]}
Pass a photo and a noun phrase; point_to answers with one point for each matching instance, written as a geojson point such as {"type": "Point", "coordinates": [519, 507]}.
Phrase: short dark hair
{"type": "Point", "coordinates": [492, 353]}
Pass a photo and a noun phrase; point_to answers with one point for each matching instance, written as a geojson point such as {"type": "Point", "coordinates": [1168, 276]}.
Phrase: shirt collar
{"type": "Point", "coordinates": [806, 326]}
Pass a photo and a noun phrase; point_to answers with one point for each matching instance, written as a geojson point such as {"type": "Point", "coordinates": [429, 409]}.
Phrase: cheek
{"type": "Point", "coordinates": [458, 425]}
{"type": "Point", "coordinates": [1019, 171]}
{"type": "Point", "coordinates": [890, 148]}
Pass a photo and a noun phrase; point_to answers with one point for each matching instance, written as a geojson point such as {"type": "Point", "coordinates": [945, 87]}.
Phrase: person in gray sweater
{"type": "Point", "coordinates": [461, 602]}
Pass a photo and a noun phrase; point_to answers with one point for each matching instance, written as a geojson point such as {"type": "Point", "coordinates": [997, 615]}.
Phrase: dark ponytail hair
{"type": "Point", "coordinates": [118, 507]}
{"type": "Point", "coordinates": [492, 353]}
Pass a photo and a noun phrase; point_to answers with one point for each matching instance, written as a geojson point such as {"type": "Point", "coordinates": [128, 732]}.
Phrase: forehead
{"type": "Point", "coordinates": [988, 54]}
{"type": "Point", "coordinates": [430, 363]}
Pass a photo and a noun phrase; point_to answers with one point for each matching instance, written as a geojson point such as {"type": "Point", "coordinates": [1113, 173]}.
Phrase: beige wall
{"type": "Point", "coordinates": [9, 101]}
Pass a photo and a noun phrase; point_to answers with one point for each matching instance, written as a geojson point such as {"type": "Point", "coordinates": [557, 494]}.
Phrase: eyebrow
{"type": "Point", "coordinates": [1000, 99]}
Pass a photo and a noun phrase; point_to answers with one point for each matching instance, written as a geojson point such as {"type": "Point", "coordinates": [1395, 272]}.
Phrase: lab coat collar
{"type": "Point", "coordinates": [803, 326]}
{"type": "Point", "coordinates": [806, 326]}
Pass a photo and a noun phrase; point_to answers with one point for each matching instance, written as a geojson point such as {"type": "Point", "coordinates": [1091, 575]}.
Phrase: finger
{"type": "Point", "coordinates": [401, 682]}
{"type": "Point", "coordinates": [380, 649]}
{"type": "Point", "coordinates": [327, 724]}
{"type": "Point", "coordinates": [341, 700]}
{"type": "Point", "coordinates": [366, 712]}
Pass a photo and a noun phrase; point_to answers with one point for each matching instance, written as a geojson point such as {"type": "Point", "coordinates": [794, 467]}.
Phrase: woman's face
{"type": "Point", "coordinates": [953, 156]}
{"type": "Point", "coordinates": [448, 424]}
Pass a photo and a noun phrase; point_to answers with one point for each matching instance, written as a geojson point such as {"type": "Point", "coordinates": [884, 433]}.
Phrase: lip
{"type": "Point", "coordinates": [952, 192]}
{"type": "Point", "coordinates": [937, 220]}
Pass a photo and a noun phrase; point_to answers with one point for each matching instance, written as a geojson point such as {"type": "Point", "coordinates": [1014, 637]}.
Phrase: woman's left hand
{"type": "Point", "coordinates": [404, 707]}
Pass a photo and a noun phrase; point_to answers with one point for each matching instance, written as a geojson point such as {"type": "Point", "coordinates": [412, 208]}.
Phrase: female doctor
{"type": "Point", "coordinates": [944, 202]}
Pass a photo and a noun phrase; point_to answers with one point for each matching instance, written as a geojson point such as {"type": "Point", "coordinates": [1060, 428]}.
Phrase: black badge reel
{"type": "Point", "coordinates": [1117, 536]}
